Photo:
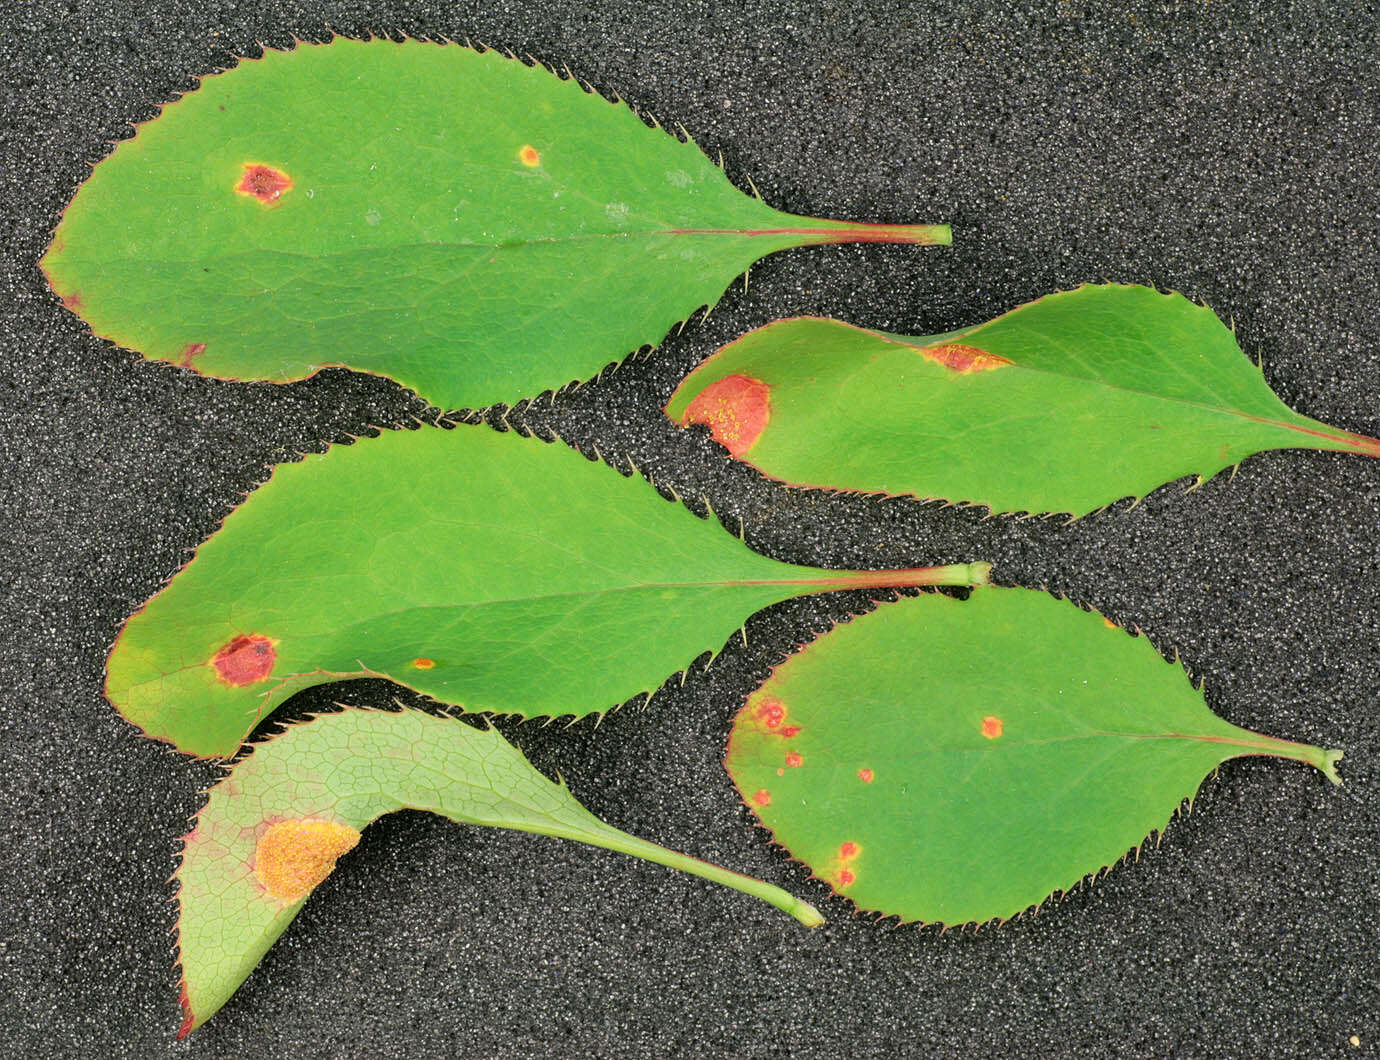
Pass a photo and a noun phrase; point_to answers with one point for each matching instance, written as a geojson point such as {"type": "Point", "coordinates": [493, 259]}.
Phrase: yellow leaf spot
{"type": "Point", "coordinates": [293, 856]}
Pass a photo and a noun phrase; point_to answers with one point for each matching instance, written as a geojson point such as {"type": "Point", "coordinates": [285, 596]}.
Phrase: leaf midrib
{"type": "Point", "coordinates": [466, 244]}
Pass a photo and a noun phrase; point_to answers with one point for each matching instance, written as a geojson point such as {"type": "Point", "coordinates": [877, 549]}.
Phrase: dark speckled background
{"type": "Point", "coordinates": [1226, 151]}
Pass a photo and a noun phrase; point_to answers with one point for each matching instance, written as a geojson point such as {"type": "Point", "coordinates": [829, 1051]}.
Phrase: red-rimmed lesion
{"type": "Point", "coordinates": [264, 183]}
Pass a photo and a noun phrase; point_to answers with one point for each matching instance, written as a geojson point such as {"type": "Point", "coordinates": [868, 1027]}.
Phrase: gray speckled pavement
{"type": "Point", "coordinates": [1226, 151]}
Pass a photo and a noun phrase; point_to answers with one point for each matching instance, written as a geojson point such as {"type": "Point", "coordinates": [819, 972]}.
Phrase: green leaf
{"type": "Point", "coordinates": [272, 830]}
{"type": "Point", "coordinates": [949, 761]}
{"type": "Point", "coordinates": [487, 570]}
{"type": "Point", "coordinates": [1065, 404]}
{"type": "Point", "coordinates": [474, 227]}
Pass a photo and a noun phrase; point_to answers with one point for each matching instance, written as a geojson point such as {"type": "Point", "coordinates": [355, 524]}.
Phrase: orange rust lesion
{"type": "Point", "coordinates": [762, 797]}
{"type": "Point", "coordinates": [245, 660]}
{"type": "Point", "coordinates": [843, 870]}
{"type": "Point", "coordinates": [264, 183]}
{"type": "Point", "coordinates": [794, 760]}
{"type": "Point", "coordinates": [529, 156]}
{"type": "Point", "coordinates": [866, 775]}
{"type": "Point", "coordinates": [991, 727]}
{"type": "Point", "coordinates": [423, 663]}
{"type": "Point", "coordinates": [963, 359]}
{"type": "Point", "coordinates": [736, 410]}
{"type": "Point", "coordinates": [295, 855]}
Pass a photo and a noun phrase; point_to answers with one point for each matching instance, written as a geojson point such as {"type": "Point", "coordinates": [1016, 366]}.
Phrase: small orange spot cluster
{"type": "Point", "coordinates": [736, 409]}
{"type": "Point", "coordinates": [762, 797]}
{"type": "Point", "coordinates": [295, 855]}
{"type": "Point", "coordinates": [991, 726]}
{"type": "Point", "coordinates": [843, 875]}
{"type": "Point", "coordinates": [529, 156]}
{"type": "Point", "coordinates": [264, 183]}
{"type": "Point", "coordinates": [772, 713]}
{"type": "Point", "coordinates": [865, 775]}
{"type": "Point", "coordinates": [422, 663]}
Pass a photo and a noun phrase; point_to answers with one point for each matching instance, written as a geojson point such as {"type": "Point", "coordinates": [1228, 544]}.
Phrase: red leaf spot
{"type": "Point", "coordinates": [865, 775]}
{"type": "Point", "coordinates": [264, 183]}
{"type": "Point", "coordinates": [846, 877]}
{"type": "Point", "coordinates": [793, 759]}
{"type": "Point", "coordinates": [423, 663]}
{"type": "Point", "coordinates": [848, 850]}
{"type": "Point", "coordinates": [964, 359]}
{"type": "Point", "coordinates": [762, 798]}
{"type": "Point", "coordinates": [245, 660]}
{"type": "Point", "coordinates": [191, 352]}
{"type": "Point", "coordinates": [735, 409]}
{"type": "Point", "coordinates": [771, 713]}
{"type": "Point", "coordinates": [72, 301]}
{"type": "Point", "coordinates": [991, 727]}
{"type": "Point", "coordinates": [529, 156]}
{"type": "Point", "coordinates": [790, 730]}
{"type": "Point", "coordinates": [187, 1018]}
{"type": "Point", "coordinates": [293, 856]}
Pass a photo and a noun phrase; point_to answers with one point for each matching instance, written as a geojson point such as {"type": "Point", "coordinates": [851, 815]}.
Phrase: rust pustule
{"type": "Point", "coordinates": [991, 726]}
{"type": "Point", "coordinates": [865, 775]}
{"type": "Point", "coordinates": [736, 409]}
{"type": "Point", "coordinates": [771, 713]}
{"type": "Point", "coordinates": [762, 797]}
{"type": "Point", "coordinates": [264, 183]}
{"type": "Point", "coordinates": [794, 759]}
{"type": "Point", "coordinates": [293, 856]}
{"type": "Point", "coordinates": [246, 660]}
{"type": "Point", "coordinates": [963, 359]}
{"type": "Point", "coordinates": [423, 663]}
{"type": "Point", "coordinates": [529, 156]}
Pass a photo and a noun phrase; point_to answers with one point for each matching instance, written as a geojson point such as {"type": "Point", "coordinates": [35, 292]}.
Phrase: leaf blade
{"type": "Point", "coordinates": [477, 567]}
{"type": "Point", "coordinates": [417, 237]}
{"type": "Point", "coordinates": [990, 767]}
{"type": "Point", "coordinates": [1083, 398]}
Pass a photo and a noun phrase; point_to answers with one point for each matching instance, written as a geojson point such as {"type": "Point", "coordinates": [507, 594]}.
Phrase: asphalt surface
{"type": "Point", "coordinates": [1225, 151]}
